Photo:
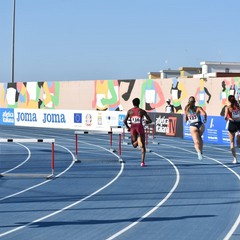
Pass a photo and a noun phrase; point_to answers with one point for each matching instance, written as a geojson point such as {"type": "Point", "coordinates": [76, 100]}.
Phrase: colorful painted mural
{"type": "Point", "coordinates": [35, 95]}
{"type": "Point", "coordinates": [116, 95]}
{"type": "Point", "coordinates": [178, 94]}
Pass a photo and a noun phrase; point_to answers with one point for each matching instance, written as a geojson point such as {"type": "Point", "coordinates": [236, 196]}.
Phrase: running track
{"type": "Point", "coordinates": [175, 196]}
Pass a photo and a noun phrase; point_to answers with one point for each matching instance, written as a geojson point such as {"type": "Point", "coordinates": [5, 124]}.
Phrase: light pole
{"type": "Point", "coordinates": [13, 38]}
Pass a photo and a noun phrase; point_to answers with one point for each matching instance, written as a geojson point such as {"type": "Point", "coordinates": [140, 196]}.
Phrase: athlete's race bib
{"type": "Point", "coordinates": [236, 113]}
{"type": "Point", "coordinates": [135, 119]}
{"type": "Point", "coordinates": [192, 118]}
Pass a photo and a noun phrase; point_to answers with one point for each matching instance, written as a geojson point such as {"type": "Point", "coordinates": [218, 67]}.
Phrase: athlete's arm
{"type": "Point", "coordinates": [185, 115]}
{"type": "Point", "coordinates": [143, 113]}
{"type": "Point", "coordinates": [203, 113]}
{"type": "Point", "coordinates": [226, 115]}
{"type": "Point", "coordinates": [149, 120]}
{"type": "Point", "coordinates": [126, 120]}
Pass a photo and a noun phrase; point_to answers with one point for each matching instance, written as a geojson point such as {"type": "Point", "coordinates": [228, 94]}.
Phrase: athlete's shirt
{"type": "Point", "coordinates": [235, 114]}
{"type": "Point", "coordinates": [193, 116]}
{"type": "Point", "coordinates": [136, 119]}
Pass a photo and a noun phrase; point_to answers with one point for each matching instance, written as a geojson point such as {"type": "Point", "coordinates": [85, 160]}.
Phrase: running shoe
{"type": "Point", "coordinates": [142, 164]}
{"type": "Point", "coordinates": [200, 157]}
{"type": "Point", "coordinates": [238, 139]}
{"type": "Point", "coordinates": [235, 161]}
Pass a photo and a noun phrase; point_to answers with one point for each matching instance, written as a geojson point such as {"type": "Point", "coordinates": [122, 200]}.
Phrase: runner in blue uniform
{"type": "Point", "coordinates": [193, 116]}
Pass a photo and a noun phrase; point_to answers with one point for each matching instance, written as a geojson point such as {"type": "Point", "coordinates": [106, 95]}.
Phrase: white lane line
{"type": "Point", "coordinates": [44, 182]}
{"type": "Point", "coordinates": [233, 229]}
{"type": "Point", "coordinates": [29, 155]}
{"type": "Point", "coordinates": [68, 206]}
{"type": "Point", "coordinates": [202, 161]}
{"type": "Point", "coordinates": [228, 150]}
{"type": "Point", "coordinates": [154, 208]}
{"type": "Point", "coordinates": [237, 222]}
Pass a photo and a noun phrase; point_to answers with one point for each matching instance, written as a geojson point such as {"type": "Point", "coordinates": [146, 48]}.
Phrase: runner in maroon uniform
{"type": "Point", "coordinates": [136, 116]}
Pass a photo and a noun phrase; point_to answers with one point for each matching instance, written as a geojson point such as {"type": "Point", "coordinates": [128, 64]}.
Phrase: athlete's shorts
{"type": "Point", "coordinates": [196, 124]}
{"type": "Point", "coordinates": [137, 129]}
{"type": "Point", "coordinates": [233, 126]}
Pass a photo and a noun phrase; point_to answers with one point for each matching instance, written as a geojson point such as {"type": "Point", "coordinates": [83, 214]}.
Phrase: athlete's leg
{"type": "Point", "coordinates": [197, 140]}
{"type": "Point", "coordinates": [134, 139]}
{"type": "Point", "coordinates": [141, 143]}
{"type": "Point", "coordinates": [141, 136]}
{"type": "Point", "coordinates": [201, 131]}
{"type": "Point", "coordinates": [238, 139]}
{"type": "Point", "coordinates": [232, 145]}
{"type": "Point", "coordinates": [238, 135]}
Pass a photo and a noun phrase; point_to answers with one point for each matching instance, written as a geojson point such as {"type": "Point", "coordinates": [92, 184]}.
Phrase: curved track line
{"type": "Point", "coordinates": [29, 155]}
{"type": "Point", "coordinates": [237, 222]}
{"type": "Point", "coordinates": [154, 208]}
{"type": "Point", "coordinates": [223, 150]}
{"type": "Point", "coordinates": [213, 159]}
{"type": "Point", "coordinates": [71, 205]}
{"type": "Point", "coordinates": [44, 182]}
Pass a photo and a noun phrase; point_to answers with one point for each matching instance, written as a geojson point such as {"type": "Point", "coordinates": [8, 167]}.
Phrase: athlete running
{"type": "Point", "coordinates": [232, 114]}
{"type": "Point", "coordinates": [193, 116]}
{"type": "Point", "coordinates": [136, 116]}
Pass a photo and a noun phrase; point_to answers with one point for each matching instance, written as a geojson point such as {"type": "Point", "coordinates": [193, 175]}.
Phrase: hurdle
{"type": "Point", "coordinates": [30, 140]}
{"type": "Point", "coordinates": [77, 160]}
{"type": "Point", "coordinates": [111, 137]}
{"type": "Point", "coordinates": [122, 136]}
{"type": "Point", "coordinates": [150, 129]}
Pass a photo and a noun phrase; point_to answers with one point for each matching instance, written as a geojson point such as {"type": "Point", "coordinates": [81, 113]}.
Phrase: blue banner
{"type": "Point", "coordinates": [6, 116]}
{"type": "Point", "coordinates": [215, 131]}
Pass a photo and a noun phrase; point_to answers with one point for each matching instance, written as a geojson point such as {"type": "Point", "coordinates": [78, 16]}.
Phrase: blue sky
{"type": "Point", "coordinates": [114, 39]}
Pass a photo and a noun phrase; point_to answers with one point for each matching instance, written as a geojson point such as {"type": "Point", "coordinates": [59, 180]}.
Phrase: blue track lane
{"type": "Point", "coordinates": [175, 196]}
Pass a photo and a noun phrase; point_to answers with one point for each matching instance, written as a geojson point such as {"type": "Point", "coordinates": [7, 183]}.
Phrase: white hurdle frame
{"type": "Point", "coordinates": [149, 129]}
{"type": "Point", "coordinates": [122, 136]}
{"type": "Point", "coordinates": [77, 160]}
{"type": "Point", "coordinates": [33, 140]}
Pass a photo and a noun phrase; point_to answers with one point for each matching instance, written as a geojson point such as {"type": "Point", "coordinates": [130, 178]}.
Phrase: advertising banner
{"type": "Point", "coordinates": [68, 119]}
{"type": "Point", "coordinates": [215, 131]}
{"type": "Point", "coordinates": [168, 124]}
{"type": "Point", "coordinates": [6, 116]}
